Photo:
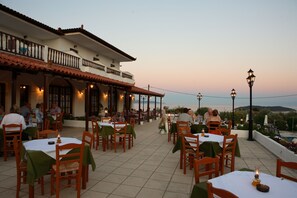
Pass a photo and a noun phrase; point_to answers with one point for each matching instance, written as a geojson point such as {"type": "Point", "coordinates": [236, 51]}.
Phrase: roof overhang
{"type": "Point", "coordinates": [18, 22]}
{"type": "Point", "coordinates": [94, 43]}
{"type": "Point", "coordinates": [138, 90]}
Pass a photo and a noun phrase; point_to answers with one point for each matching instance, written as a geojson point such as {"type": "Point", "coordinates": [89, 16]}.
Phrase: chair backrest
{"type": "Point", "coordinates": [120, 127]}
{"type": "Point", "coordinates": [211, 167]}
{"type": "Point", "coordinates": [219, 192]}
{"type": "Point", "coordinates": [46, 124]}
{"type": "Point", "coordinates": [59, 117]}
{"type": "Point", "coordinates": [214, 127]}
{"type": "Point", "coordinates": [88, 138]}
{"type": "Point", "coordinates": [190, 142]}
{"type": "Point", "coordinates": [95, 127]}
{"type": "Point", "coordinates": [70, 158]}
{"type": "Point", "coordinates": [290, 165]}
{"type": "Point", "coordinates": [183, 127]}
{"type": "Point", "coordinates": [12, 130]}
{"type": "Point", "coordinates": [229, 145]}
{"type": "Point", "coordinates": [132, 122]}
{"type": "Point", "coordinates": [46, 133]}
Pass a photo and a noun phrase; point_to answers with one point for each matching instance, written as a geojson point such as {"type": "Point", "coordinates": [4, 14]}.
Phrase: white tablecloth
{"type": "Point", "coordinates": [110, 124]}
{"type": "Point", "coordinates": [211, 138]}
{"type": "Point", "coordinates": [49, 149]}
{"type": "Point", "coordinates": [240, 184]}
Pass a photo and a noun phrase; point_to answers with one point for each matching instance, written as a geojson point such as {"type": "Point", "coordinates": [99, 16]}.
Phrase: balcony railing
{"type": "Point", "coordinates": [23, 47]}
{"type": "Point", "coordinates": [93, 65]}
{"type": "Point", "coordinates": [113, 71]}
{"type": "Point", "coordinates": [16, 45]}
{"type": "Point", "coordinates": [125, 75]}
{"type": "Point", "coordinates": [62, 58]}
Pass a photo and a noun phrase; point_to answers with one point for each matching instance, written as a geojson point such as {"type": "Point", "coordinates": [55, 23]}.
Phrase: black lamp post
{"type": "Point", "coordinates": [199, 97]}
{"type": "Point", "coordinates": [233, 94]}
{"type": "Point", "coordinates": [250, 80]}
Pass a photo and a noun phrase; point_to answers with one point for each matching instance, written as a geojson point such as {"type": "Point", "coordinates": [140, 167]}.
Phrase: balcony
{"type": "Point", "coordinates": [20, 46]}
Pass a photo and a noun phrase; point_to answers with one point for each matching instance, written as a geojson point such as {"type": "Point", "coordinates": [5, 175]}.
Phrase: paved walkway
{"type": "Point", "coordinates": [149, 169]}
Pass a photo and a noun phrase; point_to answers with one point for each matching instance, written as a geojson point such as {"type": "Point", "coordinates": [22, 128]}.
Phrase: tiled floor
{"type": "Point", "coordinates": [149, 169]}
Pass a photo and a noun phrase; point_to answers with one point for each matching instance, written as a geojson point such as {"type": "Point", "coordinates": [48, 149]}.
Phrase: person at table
{"type": "Point", "coordinates": [15, 118]}
{"type": "Point", "coordinates": [55, 109]}
{"type": "Point", "coordinates": [192, 114]}
{"type": "Point", "coordinates": [26, 112]}
{"type": "Point", "coordinates": [118, 117]}
{"type": "Point", "coordinates": [207, 114]}
{"type": "Point", "coordinates": [214, 117]}
{"type": "Point", "coordinates": [185, 116]}
{"type": "Point", "coordinates": [39, 114]}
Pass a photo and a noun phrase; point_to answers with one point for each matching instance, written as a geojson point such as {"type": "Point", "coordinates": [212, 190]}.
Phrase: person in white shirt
{"type": "Point", "coordinates": [14, 118]}
{"type": "Point", "coordinates": [185, 116]}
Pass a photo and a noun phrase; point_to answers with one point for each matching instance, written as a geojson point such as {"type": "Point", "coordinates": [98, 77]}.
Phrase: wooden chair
{"type": "Point", "coordinates": [211, 168]}
{"type": "Point", "coordinates": [219, 192]}
{"type": "Point", "coordinates": [214, 127]}
{"type": "Point", "coordinates": [96, 134]}
{"type": "Point", "coordinates": [190, 150]}
{"type": "Point", "coordinates": [68, 166]}
{"type": "Point", "coordinates": [21, 167]}
{"type": "Point", "coordinates": [105, 119]}
{"type": "Point", "coordinates": [46, 124]}
{"type": "Point", "coordinates": [227, 131]}
{"type": "Point", "coordinates": [130, 135]}
{"type": "Point", "coordinates": [182, 127]}
{"type": "Point", "coordinates": [119, 132]}
{"type": "Point", "coordinates": [228, 153]}
{"type": "Point", "coordinates": [10, 131]}
{"type": "Point", "coordinates": [46, 133]}
{"type": "Point", "coordinates": [291, 165]}
{"type": "Point", "coordinates": [169, 128]}
{"type": "Point", "coordinates": [88, 139]}
{"type": "Point", "coordinates": [58, 123]}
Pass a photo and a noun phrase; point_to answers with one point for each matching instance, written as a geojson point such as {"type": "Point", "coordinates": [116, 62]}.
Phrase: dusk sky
{"type": "Point", "coordinates": [192, 46]}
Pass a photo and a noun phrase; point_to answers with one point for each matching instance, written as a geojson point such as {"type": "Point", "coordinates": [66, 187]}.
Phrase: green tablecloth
{"type": "Point", "coordinates": [39, 163]}
{"type": "Point", "coordinates": [195, 128]}
{"type": "Point", "coordinates": [210, 149]}
{"type": "Point", "coordinates": [108, 130]}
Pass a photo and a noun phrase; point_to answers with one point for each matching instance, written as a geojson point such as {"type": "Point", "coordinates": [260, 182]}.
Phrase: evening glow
{"type": "Point", "coordinates": [192, 46]}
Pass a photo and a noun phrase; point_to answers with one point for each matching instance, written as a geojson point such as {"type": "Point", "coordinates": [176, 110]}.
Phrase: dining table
{"type": "Point", "coordinates": [106, 129]}
{"type": "Point", "coordinates": [40, 156]}
{"type": "Point", "coordinates": [240, 184]}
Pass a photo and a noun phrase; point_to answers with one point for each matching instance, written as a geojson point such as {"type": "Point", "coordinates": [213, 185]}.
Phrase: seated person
{"type": "Point", "coordinates": [118, 117]}
{"type": "Point", "coordinates": [214, 117]}
{"type": "Point", "coordinates": [207, 114]}
{"type": "Point", "coordinates": [38, 114]}
{"type": "Point", "coordinates": [14, 118]}
{"type": "Point", "coordinates": [185, 116]}
{"type": "Point", "coordinates": [26, 112]}
{"type": "Point", "coordinates": [55, 109]}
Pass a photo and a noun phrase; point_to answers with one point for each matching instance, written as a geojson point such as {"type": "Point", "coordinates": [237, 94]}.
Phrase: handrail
{"type": "Point", "coordinates": [61, 58]}
{"type": "Point", "coordinates": [113, 71]}
{"type": "Point", "coordinates": [20, 46]}
{"type": "Point", "coordinates": [92, 64]}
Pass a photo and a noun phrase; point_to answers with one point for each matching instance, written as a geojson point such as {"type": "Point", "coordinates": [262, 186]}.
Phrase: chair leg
{"type": "Point", "coordinates": [169, 136]}
{"type": "Point", "coordinates": [18, 184]}
{"type": "Point", "coordinates": [42, 185]}
{"type": "Point", "coordinates": [185, 163]}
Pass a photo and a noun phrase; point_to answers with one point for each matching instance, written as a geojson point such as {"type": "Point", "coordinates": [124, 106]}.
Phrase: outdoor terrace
{"type": "Point", "coordinates": [149, 169]}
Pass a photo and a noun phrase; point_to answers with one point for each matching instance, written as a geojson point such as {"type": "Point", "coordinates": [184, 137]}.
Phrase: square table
{"type": "Point", "coordinates": [41, 156]}
{"type": "Point", "coordinates": [240, 184]}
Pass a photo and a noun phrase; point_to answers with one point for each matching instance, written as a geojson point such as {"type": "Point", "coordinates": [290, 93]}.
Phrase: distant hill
{"type": "Point", "coordinates": [271, 108]}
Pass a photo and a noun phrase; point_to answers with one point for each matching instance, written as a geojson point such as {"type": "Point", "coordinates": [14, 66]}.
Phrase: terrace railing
{"type": "Point", "coordinates": [125, 75]}
{"type": "Point", "coordinates": [113, 71]}
{"type": "Point", "coordinates": [20, 46]}
{"type": "Point", "coordinates": [61, 58]}
{"type": "Point", "coordinates": [93, 65]}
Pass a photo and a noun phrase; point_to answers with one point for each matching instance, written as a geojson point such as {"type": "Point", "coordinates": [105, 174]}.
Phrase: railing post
{"type": "Point", "coordinates": [80, 64]}
{"type": "Point", "coordinates": [45, 53]}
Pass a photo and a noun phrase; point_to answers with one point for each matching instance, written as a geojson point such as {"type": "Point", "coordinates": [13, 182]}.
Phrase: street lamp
{"type": "Point", "coordinates": [199, 97]}
{"type": "Point", "coordinates": [233, 94]}
{"type": "Point", "coordinates": [250, 80]}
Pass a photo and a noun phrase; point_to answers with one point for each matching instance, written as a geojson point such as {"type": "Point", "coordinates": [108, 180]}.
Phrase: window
{"type": "Point", "coordinates": [62, 96]}
{"type": "Point", "coordinates": [94, 104]}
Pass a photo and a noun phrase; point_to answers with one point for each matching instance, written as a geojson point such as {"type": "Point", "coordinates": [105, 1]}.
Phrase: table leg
{"type": "Point", "coordinates": [181, 159]}
{"type": "Point", "coordinates": [84, 177]}
{"type": "Point", "coordinates": [104, 143]}
{"type": "Point", "coordinates": [31, 191]}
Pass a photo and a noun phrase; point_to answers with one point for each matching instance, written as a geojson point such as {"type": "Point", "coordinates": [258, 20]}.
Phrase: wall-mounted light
{"type": "Point", "coordinates": [121, 96]}
{"type": "Point", "coordinates": [23, 87]}
{"type": "Point", "coordinates": [105, 95]}
{"type": "Point", "coordinates": [91, 86]}
{"type": "Point", "coordinates": [80, 92]}
{"type": "Point", "coordinates": [41, 89]}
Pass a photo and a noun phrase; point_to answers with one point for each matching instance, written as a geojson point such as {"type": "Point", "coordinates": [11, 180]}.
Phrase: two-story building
{"type": "Point", "coordinates": [71, 67]}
